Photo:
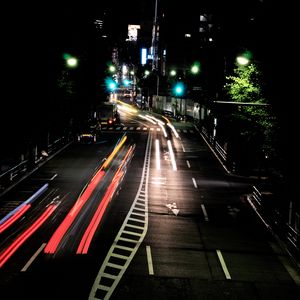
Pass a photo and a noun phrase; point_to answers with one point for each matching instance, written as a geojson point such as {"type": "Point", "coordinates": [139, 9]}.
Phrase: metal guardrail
{"type": "Point", "coordinates": [256, 195]}
{"type": "Point", "coordinates": [16, 172]}
{"type": "Point", "coordinates": [293, 237]}
{"type": "Point", "coordinates": [221, 151]}
{"type": "Point", "coordinates": [12, 174]}
{"type": "Point", "coordinates": [213, 143]}
{"type": "Point", "coordinates": [275, 221]}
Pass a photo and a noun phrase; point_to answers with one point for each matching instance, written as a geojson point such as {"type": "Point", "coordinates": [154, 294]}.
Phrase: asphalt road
{"type": "Point", "coordinates": [175, 227]}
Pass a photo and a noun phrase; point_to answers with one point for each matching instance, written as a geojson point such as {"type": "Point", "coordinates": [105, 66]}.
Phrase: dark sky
{"type": "Point", "coordinates": [29, 31]}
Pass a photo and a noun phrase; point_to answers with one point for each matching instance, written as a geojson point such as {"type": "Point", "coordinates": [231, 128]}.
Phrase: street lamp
{"type": "Point", "coordinates": [71, 61]}
{"type": "Point", "coordinates": [173, 73]}
{"type": "Point", "coordinates": [195, 68]}
{"type": "Point", "coordinates": [112, 69]}
{"type": "Point", "coordinates": [241, 60]}
{"type": "Point", "coordinates": [244, 58]}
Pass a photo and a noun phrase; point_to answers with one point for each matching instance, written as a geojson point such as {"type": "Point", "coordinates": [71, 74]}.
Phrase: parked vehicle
{"type": "Point", "coordinates": [107, 114]}
{"type": "Point", "coordinates": [87, 132]}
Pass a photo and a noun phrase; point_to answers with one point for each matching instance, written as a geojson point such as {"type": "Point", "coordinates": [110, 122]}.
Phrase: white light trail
{"type": "Point", "coordinates": [173, 129]}
{"type": "Point", "coordinates": [163, 129]}
{"type": "Point", "coordinates": [147, 118]}
{"type": "Point", "coordinates": [157, 151]}
{"type": "Point", "coordinates": [172, 155]}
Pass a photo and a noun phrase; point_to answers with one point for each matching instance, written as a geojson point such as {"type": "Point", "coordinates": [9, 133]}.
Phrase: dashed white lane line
{"type": "Point", "coordinates": [204, 212]}
{"type": "Point", "coordinates": [194, 182]}
{"type": "Point", "coordinates": [149, 259]}
{"type": "Point", "coordinates": [33, 257]}
{"type": "Point", "coordinates": [223, 264]}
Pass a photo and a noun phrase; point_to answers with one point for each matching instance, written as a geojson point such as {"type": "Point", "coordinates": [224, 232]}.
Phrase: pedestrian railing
{"type": "Point", "coordinates": [214, 144]}
{"type": "Point", "coordinates": [16, 172]}
{"type": "Point", "coordinates": [293, 237]}
{"type": "Point", "coordinates": [13, 174]}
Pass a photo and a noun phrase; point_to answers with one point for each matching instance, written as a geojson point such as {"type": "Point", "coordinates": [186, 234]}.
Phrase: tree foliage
{"type": "Point", "coordinates": [257, 123]}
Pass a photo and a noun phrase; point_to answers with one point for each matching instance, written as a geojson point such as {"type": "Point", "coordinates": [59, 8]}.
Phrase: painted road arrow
{"type": "Point", "coordinates": [173, 208]}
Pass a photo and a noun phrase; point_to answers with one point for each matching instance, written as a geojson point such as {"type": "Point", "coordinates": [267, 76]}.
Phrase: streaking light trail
{"type": "Point", "coordinates": [65, 225]}
{"type": "Point", "coordinates": [91, 229]}
{"type": "Point", "coordinates": [157, 152]}
{"type": "Point", "coordinates": [19, 211]}
{"type": "Point", "coordinates": [8, 252]}
{"type": "Point", "coordinates": [173, 129]}
{"type": "Point", "coordinates": [14, 217]}
{"type": "Point", "coordinates": [83, 198]}
{"type": "Point", "coordinates": [172, 155]}
{"type": "Point", "coordinates": [117, 148]}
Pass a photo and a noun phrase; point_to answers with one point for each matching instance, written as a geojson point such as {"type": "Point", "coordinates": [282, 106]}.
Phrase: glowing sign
{"type": "Point", "coordinates": [143, 56]}
{"type": "Point", "coordinates": [133, 32]}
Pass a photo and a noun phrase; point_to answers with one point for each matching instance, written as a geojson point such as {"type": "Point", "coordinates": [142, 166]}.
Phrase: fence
{"type": "Point", "coordinates": [17, 172]}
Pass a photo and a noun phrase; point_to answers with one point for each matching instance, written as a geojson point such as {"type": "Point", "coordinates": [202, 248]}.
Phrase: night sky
{"type": "Point", "coordinates": [33, 34]}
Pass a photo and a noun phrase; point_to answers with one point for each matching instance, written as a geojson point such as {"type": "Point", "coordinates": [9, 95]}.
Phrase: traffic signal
{"type": "Point", "coordinates": [179, 89]}
{"type": "Point", "coordinates": [111, 85]}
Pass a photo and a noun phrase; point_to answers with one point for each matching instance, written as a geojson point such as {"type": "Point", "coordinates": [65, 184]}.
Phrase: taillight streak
{"type": "Point", "coordinates": [66, 223]}
{"type": "Point", "coordinates": [91, 229]}
{"type": "Point", "coordinates": [14, 218]}
{"type": "Point", "coordinates": [28, 201]}
{"type": "Point", "coordinates": [8, 252]}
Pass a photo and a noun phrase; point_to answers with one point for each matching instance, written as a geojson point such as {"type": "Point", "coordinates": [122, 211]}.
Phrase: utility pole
{"type": "Point", "coordinates": [155, 40]}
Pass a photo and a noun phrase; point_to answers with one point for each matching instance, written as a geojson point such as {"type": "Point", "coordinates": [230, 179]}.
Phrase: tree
{"type": "Point", "coordinates": [256, 122]}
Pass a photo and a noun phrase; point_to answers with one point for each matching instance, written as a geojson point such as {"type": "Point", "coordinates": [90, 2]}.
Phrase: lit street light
{"type": "Point", "coordinates": [241, 60]}
{"type": "Point", "coordinates": [71, 61]}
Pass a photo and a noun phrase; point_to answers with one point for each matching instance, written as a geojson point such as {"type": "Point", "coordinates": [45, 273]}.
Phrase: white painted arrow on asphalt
{"type": "Point", "coordinates": [173, 207]}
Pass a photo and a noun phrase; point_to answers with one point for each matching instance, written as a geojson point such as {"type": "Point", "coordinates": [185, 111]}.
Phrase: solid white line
{"type": "Point", "coordinates": [149, 258]}
{"type": "Point", "coordinates": [223, 264]}
{"type": "Point", "coordinates": [195, 183]}
{"type": "Point", "coordinates": [53, 176]}
{"type": "Point", "coordinates": [204, 212]}
{"type": "Point", "coordinates": [33, 257]}
{"type": "Point", "coordinates": [188, 163]}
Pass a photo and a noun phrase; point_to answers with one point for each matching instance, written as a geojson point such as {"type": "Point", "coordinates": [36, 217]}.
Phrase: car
{"type": "Point", "coordinates": [170, 114]}
{"type": "Point", "coordinates": [87, 133]}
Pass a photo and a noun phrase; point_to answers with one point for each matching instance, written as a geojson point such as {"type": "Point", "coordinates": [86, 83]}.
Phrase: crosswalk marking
{"type": "Point", "coordinates": [138, 128]}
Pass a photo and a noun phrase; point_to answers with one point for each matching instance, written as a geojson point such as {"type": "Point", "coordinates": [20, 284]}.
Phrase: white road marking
{"type": "Point", "coordinates": [173, 208]}
{"type": "Point", "coordinates": [223, 264]}
{"type": "Point", "coordinates": [183, 149]}
{"type": "Point", "coordinates": [188, 163]}
{"type": "Point", "coordinates": [204, 212]}
{"type": "Point", "coordinates": [194, 182]}
{"type": "Point", "coordinates": [53, 176]}
{"type": "Point", "coordinates": [149, 259]}
{"type": "Point", "coordinates": [33, 257]}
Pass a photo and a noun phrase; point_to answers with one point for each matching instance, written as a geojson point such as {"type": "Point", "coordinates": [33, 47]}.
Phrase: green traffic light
{"type": "Point", "coordinates": [111, 85]}
{"type": "Point", "coordinates": [178, 89]}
